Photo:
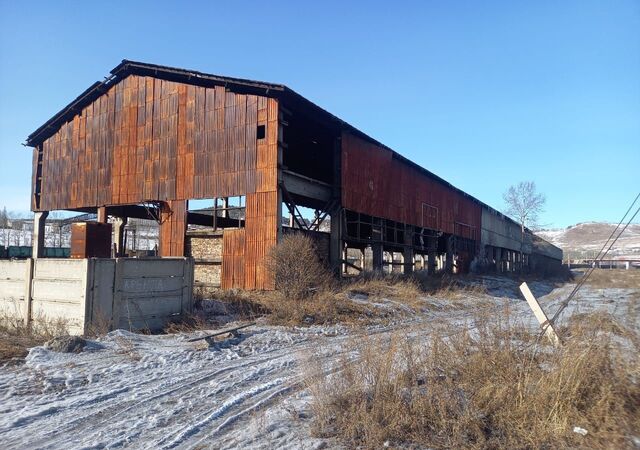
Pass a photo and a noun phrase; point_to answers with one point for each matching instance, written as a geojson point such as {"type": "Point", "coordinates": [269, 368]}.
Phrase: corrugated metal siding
{"type": "Point", "coordinates": [173, 228]}
{"type": "Point", "coordinates": [375, 183]}
{"type": "Point", "coordinates": [152, 139]}
{"type": "Point", "coordinates": [233, 258]}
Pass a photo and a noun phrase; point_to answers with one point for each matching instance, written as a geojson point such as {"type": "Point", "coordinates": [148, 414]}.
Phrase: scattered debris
{"type": "Point", "coordinates": [232, 331]}
{"type": "Point", "coordinates": [580, 430]}
{"type": "Point", "coordinates": [66, 344]}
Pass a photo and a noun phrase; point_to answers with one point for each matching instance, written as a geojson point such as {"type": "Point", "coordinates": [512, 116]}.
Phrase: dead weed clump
{"type": "Point", "coordinates": [482, 388]}
{"type": "Point", "coordinates": [306, 292]}
{"type": "Point", "coordinates": [296, 268]}
{"type": "Point", "coordinates": [217, 308]}
{"type": "Point", "coordinates": [16, 338]}
{"type": "Point", "coordinates": [376, 284]}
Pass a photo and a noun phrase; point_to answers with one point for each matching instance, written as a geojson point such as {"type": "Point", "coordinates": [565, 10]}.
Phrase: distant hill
{"type": "Point", "coordinates": [584, 240]}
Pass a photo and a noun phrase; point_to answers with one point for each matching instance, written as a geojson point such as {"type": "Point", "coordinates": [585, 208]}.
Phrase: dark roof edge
{"type": "Point", "coordinates": [50, 126]}
{"type": "Point", "coordinates": [128, 67]}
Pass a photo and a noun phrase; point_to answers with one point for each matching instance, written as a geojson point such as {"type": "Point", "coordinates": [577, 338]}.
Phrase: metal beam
{"type": "Point", "coordinates": [306, 187]}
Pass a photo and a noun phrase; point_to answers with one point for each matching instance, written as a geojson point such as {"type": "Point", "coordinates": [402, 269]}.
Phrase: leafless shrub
{"type": "Point", "coordinates": [489, 386]}
{"type": "Point", "coordinates": [304, 286]}
{"type": "Point", "coordinates": [16, 337]}
{"type": "Point", "coordinates": [296, 268]}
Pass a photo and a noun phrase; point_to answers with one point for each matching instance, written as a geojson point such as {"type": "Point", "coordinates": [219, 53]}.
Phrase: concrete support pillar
{"type": "Point", "coordinates": [499, 266]}
{"type": "Point", "coordinates": [37, 241]}
{"type": "Point", "coordinates": [407, 259]}
{"type": "Point", "coordinates": [448, 265]}
{"type": "Point", "coordinates": [102, 214]}
{"type": "Point", "coordinates": [432, 255]}
{"type": "Point", "coordinates": [362, 259]}
{"type": "Point", "coordinates": [336, 246]}
{"type": "Point", "coordinates": [225, 205]}
{"type": "Point", "coordinates": [377, 255]}
{"type": "Point", "coordinates": [407, 252]}
{"type": "Point", "coordinates": [118, 232]}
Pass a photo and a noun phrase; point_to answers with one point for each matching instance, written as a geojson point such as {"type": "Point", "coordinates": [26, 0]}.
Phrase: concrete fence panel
{"type": "Point", "coordinates": [13, 288]}
{"type": "Point", "coordinates": [151, 292]}
{"type": "Point", "coordinates": [59, 292]}
{"type": "Point", "coordinates": [97, 294]}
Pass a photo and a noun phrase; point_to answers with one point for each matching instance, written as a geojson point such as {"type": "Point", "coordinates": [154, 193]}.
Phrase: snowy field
{"type": "Point", "coordinates": [134, 391]}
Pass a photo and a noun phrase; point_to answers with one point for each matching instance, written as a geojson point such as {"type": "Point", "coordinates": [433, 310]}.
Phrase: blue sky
{"type": "Point", "coordinates": [485, 94]}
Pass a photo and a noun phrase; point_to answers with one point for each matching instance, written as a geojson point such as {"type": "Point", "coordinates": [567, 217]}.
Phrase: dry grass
{"type": "Point", "coordinates": [307, 293]}
{"type": "Point", "coordinates": [241, 305]}
{"type": "Point", "coordinates": [490, 386]}
{"type": "Point", "coordinates": [16, 339]}
{"type": "Point", "coordinates": [614, 278]}
{"type": "Point", "coordinates": [383, 285]}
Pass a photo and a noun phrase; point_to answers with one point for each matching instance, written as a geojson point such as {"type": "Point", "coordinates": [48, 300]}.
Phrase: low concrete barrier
{"type": "Point", "coordinates": [97, 294]}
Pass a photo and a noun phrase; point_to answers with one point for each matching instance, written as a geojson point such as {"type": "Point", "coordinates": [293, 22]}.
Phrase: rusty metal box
{"type": "Point", "coordinates": [90, 240]}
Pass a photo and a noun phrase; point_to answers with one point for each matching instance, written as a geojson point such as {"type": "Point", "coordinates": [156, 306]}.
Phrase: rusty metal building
{"type": "Point", "coordinates": [150, 138]}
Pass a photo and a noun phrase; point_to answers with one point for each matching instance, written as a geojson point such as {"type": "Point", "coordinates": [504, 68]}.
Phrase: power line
{"type": "Point", "coordinates": [565, 303]}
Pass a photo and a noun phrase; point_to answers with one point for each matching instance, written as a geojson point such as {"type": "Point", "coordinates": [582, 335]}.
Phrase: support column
{"type": "Point", "coordinates": [118, 232]}
{"type": "Point", "coordinates": [448, 265]}
{"type": "Point", "coordinates": [431, 262]}
{"type": "Point", "coordinates": [336, 246]}
{"type": "Point", "coordinates": [407, 253]}
{"type": "Point", "coordinates": [225, 205]}
{"type": "Point", "coordinates": [498, 253]}
{"type": "Point", "coordinates": [37, 241]}
{"type": "Point", "coordinates": [102, 214]}
{"type": "Point", "coordinates": [377, 250]}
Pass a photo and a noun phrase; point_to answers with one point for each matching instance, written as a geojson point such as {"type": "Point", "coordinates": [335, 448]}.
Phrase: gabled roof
{"type": "Point", "coordinates": [293, 101]}
{"type": "Point", "coordinates": [127, 67]}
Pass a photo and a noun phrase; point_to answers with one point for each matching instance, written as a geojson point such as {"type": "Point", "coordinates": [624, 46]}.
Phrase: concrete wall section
{"type": "Point", "coordinates": [150, 293]}
{"type": "Point", "coordinates": [13, 288]}
{"type": "Point", "coordinates": [544, 248]}
{"type": "Point", "coordinates": [59, 292]}
{"type": "Point", "coordinates": [97, 294]}
{"type": "Point", "coordinates": [498, 231]}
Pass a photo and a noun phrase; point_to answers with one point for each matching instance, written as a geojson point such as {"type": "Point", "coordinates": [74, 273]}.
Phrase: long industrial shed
{"type": "Point", "coordinates": [149, 138]}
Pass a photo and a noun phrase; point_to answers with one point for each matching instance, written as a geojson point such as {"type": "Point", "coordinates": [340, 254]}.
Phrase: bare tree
{"type": "Point", "coordinates": [525, 204]}
{"type": "Point", "coordinates": [4, 226]}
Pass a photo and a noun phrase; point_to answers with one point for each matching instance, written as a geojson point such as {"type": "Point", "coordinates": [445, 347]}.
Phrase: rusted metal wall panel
{"type": "Point", "coordinates": [90, 240]}
{"type": "Point", "coordinates": [261, 209]}
{"type": "Point", "coordinates": [377, 184]}
{"type": "Point", "coordinates": [173, 227]}
{"type": "Point", "coordinates": [233, 257]}
{"type": "Point", "coordinates": [151, 139]}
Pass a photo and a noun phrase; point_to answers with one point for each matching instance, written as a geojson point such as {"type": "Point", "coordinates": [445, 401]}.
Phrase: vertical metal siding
{"type": "Point", "coordinates": [375, 183]}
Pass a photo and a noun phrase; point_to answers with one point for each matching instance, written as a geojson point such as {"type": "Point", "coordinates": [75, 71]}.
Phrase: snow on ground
{"type": "Point", "coordinates": [135, 391]}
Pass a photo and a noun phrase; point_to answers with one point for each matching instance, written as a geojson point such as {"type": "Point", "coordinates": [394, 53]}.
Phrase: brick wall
{"type": "Point", "coordinates": [206, 249]}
